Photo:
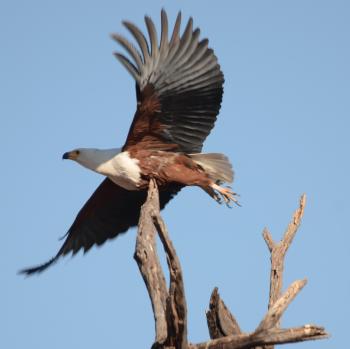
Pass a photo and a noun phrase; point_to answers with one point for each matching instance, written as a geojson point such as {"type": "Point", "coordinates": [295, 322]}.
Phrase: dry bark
{"type": "Point", "coordinates": [169, 304]}
{"type": "Point", "coordinates": [149, 264]}
{"type": "Point", "coordinates": [220, 321]}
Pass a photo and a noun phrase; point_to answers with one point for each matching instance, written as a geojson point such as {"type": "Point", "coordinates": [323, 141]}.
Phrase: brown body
{"type": "Point", "coordinates": [167, 167]}
{"type": "Point", "coordinates": [179, 88]}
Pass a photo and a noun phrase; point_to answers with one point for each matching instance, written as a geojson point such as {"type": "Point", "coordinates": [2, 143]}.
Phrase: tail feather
{"type": "Point", "coordinates": [216, 165]}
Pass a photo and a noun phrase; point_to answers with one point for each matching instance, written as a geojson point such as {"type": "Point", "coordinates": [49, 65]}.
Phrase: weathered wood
{"type": "Point", "coordinates": [169, 305]}
{"type": "Point", "coordinates": [278, 252]}
{"type": "Point", "coordinates": [149, 264]}
{"type": "Point", "coordinates": [274, 336]}
{"type": "Point", "coordinates": [275, 312]}
{"type": "Point", "coordinates": [176, 302]}
{"type": "Point", "coordinates": [220, 321]}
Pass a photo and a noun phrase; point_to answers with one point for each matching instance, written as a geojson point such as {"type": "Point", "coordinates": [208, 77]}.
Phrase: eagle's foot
{"type": "Point", "coordinates": [225, 194]}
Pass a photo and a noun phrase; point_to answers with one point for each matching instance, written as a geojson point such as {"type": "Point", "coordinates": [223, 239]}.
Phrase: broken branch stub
{"type": "Point", "coordinates": [169, 304]}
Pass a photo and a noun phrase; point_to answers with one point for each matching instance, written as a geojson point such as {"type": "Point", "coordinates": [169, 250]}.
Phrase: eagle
{"type": "Point", "coordinates": [179, 88]}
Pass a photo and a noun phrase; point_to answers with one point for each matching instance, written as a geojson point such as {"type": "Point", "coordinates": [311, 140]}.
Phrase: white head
{"type": "Point", "coordinates": [91, 158]}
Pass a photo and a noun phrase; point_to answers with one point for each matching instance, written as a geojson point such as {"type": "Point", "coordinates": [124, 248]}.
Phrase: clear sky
{"type": "Point", "coordinates": [284, 122]}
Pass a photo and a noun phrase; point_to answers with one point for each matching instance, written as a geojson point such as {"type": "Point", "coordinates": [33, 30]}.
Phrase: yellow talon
{"type": "Point", "coordinates": [227, 194]}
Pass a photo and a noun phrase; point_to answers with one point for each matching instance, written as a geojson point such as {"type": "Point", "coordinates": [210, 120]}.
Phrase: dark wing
{"type": "Point", "coordinates": [179, 87]}
{"type": "Point", "coordinates": [110, 211]}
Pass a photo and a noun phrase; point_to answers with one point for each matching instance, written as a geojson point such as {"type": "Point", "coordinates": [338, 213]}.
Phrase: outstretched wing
{"type": "Point", "coordinates": [110, 211]}
{"type": "Point", "coordinates": [179, 87]}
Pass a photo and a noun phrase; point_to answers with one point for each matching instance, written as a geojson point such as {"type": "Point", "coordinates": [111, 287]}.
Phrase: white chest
{"type": "Point", "coordinates": [122, 170]}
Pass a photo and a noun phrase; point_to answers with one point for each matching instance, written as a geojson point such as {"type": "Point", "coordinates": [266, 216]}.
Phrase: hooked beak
{"type": "Point", "coordinates": [70, 155]}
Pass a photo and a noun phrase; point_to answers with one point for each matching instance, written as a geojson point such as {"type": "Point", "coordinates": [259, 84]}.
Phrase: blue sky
{"type": "Point", "coordinates": [284, 123]}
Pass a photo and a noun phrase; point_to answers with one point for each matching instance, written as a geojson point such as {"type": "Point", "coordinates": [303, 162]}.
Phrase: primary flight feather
{"type": "Point", "coordinates": [179, 87]}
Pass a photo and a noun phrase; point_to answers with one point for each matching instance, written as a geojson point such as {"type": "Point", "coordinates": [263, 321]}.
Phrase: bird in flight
{"type": "Point", "coordinates": [179, 88]}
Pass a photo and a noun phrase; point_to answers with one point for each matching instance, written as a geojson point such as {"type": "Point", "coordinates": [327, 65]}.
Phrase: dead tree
{"type": "Point", "coordinates": [169, 303]}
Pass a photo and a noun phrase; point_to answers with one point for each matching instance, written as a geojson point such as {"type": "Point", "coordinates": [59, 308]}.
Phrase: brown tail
{"type": "Point", "coordinates": [216, 165]}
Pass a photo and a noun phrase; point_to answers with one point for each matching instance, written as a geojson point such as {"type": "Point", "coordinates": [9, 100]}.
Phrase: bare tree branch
{"type": "Point", "coordinates": [176, 302]}
{"type": "Point", "coordinates": [220, 321]}
{"type": "Point", "coordinates": [275, 312]}
{"type": "Point", "coordinates": [149, 265]}
{"type": "Point", "coordinates": [169, 305]}
{"type": "Point", "coordinates": [275, 336]}
{"type": "Point", "coordinates": [278, 252]}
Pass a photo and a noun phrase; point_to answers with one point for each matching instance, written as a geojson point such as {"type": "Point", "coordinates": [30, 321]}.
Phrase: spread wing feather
{"type": "Point", "coordinates": [110, 211]}
{"type": "Point", "coordinates": [179, 86]}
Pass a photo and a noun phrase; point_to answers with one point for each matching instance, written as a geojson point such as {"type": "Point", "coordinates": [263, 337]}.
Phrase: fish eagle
{"type": "Point", "coordinates": [179, 88]}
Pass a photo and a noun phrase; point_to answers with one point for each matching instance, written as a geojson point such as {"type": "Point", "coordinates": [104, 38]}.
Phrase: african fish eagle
{"type": "Point", "coordinates": [179, 87]}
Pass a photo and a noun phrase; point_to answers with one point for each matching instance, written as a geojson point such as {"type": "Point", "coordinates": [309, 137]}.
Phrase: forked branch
{"type": "Point", "coordinates": [169, 304]}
